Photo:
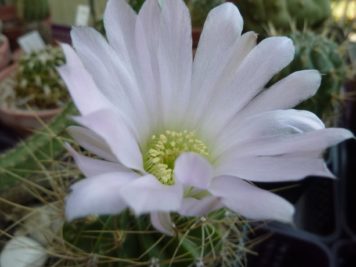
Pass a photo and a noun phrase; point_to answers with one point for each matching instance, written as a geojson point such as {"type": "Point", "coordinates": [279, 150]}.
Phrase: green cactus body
{"type": "Point", "coordinates": [26, 158]}
{"type": "Point", "coordinates": [38, 82]}
{"type": "Point", "coordinates": [318, 52]}
{"type": "Point", "coordinates": [35, 10]}
{"type": "Point", "coordinates": [258, 14]}
{"type": "Point", "coordinates": [129, 240]}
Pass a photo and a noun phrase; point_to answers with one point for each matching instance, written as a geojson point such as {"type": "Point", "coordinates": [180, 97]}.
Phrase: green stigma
{"type": "Point", "coordinates": [165, 148]}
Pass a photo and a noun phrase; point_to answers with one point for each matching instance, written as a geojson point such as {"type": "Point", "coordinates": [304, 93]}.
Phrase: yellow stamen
{"type": "Point", "coordinates": [165, 148]}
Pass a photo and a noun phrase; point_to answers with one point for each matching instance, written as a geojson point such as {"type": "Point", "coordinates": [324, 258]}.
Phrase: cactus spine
{"type": "Point", "coordinates": [24, 160]}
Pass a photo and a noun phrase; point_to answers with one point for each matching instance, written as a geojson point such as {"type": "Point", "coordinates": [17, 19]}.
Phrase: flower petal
{"type": "Point", "coordinates": [91, 142]}
{"type": "Point", "coordinates": [109, 126]}
{"type": "Point", "coordinates": [115, 80]}
{"type": "Point", "coordinates": [286, 93]}
{"type": "Point", "coordinates": [199, 207]}
{"type": "Point", "coordinates": [94, 167]}
{"type": "Point", "coordinates": [267, 124]}
{"type": "Point", "coordinates": [147, 194]}
{"type": "Point", "coordinates": [175, 60]}
{"type": "Point", "coordinates": [314, 141]}
{"type": "Point", "coordinates": [119, 21]}
{"type": "Point", "coordinates": [147, 40]}
{"type": "Point", "coordinates": [193, 170]}
{"type": "Point", "coordinates": [273, 169]}
{"type": "Point", "coordinates": [162, 222]}
{"type": "Point", "coordinates": [80, 84]}
{"type": "Point", "coordinates": [266, 59]}
{"type": "Point", "coordinates": [219, 53]}
{"type": "Point", "coordinates": [221, 30]}
{"type": "Point", "coordinates": [97, 196]}
{"type": "Point", "coordinates": [251, 201]}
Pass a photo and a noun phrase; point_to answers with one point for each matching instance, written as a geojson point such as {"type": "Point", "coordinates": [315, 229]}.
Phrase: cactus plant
{"type": "Point", "coordinates": [37, 80]}
{"type": "Point", "coordinates": [40, 148]}
{"type": "Point", "coordinates": [35, 10]}
{"type": "Point", "coordinates": [218, 239]}
{"type": "Point", "coordinates": [258, 14]}
{"type": "Point", "coordinates": [125, 240]}
{"type": "Point", "coordinates": [315, 51]}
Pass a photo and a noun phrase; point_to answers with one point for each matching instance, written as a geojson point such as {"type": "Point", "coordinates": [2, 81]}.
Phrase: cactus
{"type": "Point", "coordinates": [125, 240]}
{"type": "Point", "coordinates": [258, 14]}
{"type": "Point", "coordinates": [38, 82]}
{"type": "Point", "coordinates": [27, 157]}
{"type": "Point", "coordinates": [35, 10]}
{"type": "Point", "coordinates": [318, 52]}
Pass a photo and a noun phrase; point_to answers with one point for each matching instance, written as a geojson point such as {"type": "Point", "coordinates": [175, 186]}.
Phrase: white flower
{"type": "Point", "coordinates": [177, 135]}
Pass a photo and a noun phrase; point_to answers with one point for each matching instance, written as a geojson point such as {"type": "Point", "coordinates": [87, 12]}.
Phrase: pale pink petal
{"type": "Point", "coordinates": [80, 84]}
{"type": "Point", "coordinates": [267, 124]}
{"type": "Point", "coordinates": [220, 35]}
{"type": "Point", "coordinates": [115, 80]}
{"type": "Point", "coordinates": [314, 141]}
{"type": "Point", "coordinates": [147, 194]}
{"type": "Point", "coordinates": [175, 60]}
{"type": "Point", "coordinates": [119, 21]}
{"type": "Point", "coordinates": [258, 67]}
{"type": "Point", "coordinates": [199, 207]}
{"type": "Point", "coordinates": [93, 167]}
{"type": "Point", "coordinates": [162, 222]}
{"type": "Point", "coordinates": [91, 142]}
{"type": "Point", "coordinates": [97, 196]}
{"type": "Point", "coordinates": [287, 93]}
{"type": "Point", "coordinates": [251, 201]}
{"type": "Point", "coordinates": [147, 39]}
{"type": "Point", "coordinates": [273, 169]}
{"type": "Point", "coordinates": [110, 127]}
{"type": "Point", "coordinates": [193, 170]}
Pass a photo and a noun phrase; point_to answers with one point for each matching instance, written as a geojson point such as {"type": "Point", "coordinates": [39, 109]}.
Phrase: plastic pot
{"type": "Point", "coordinates": [288, 248]}
{"type": "Point", "coordinates": [345, 254]}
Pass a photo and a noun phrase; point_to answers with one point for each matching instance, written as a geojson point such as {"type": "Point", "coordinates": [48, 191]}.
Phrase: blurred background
{"type": "Point", "coordinates": [33, 99]}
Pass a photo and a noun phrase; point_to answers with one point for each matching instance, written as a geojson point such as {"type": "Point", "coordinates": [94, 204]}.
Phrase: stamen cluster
{"type": "Point", "coordinates": [165, 148]}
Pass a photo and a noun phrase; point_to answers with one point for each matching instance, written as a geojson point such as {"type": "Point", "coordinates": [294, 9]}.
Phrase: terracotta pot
{"type": "Point", "coordinates": [12, 26]}
{"type": "Point", "coordinates": [5, 55]}
{"type": "Point", "coordinates": [23, 121]}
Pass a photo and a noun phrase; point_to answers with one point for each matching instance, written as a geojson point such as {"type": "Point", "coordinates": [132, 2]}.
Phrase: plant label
{"type": "Point", "coordinates": [31, 41]}
{"type": "Point", "coordinates": [82, 16]}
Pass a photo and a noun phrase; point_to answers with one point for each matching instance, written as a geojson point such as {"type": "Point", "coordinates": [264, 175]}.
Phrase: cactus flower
{"type": "Point", "coordinates": [177, 134]}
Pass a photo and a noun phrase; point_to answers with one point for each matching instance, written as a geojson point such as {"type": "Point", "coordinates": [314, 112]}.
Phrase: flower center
{"type": "Point", "coordinates": [165, 148]}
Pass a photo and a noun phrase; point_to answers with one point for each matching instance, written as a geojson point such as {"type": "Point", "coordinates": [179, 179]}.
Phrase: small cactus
{"type": "Point", "coordinates": [37, 80]}
{"type": "Point", "coordinates": [29, 156]}
{"type": "Point", "coordinates": [315, 51]}
{"type": "Point", "coordinates": [259, 14]}
{"type": "Point", "coordinates": [34, 10]}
